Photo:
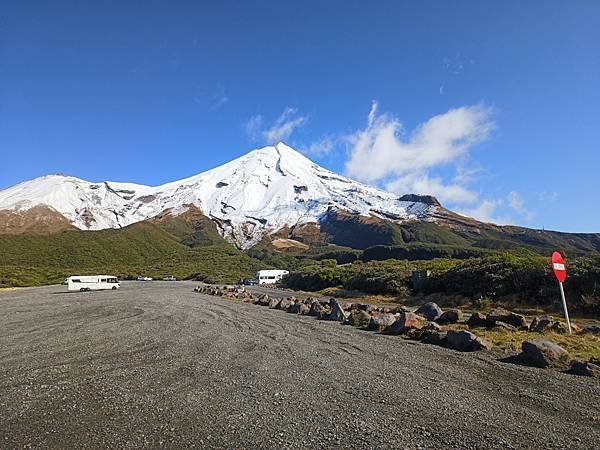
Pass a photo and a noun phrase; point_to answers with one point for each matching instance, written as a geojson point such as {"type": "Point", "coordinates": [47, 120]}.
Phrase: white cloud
{"type": "Point", "coordinates": [421, 183]}
{"type": "Point", "coordinates": [485, 212]}
{"type": "Point", "coordinates": [383, 153]}
{"type": "Point", "coordinates": [288, 121]}
{"type": "Point", "coordinates": [516, 202]}
{"type": "Point", "coordinates": [253, 126]}
{"type": "Point", "coordinates": [380, 150]}
{"type": "Point", "coordinates": [320, 147]}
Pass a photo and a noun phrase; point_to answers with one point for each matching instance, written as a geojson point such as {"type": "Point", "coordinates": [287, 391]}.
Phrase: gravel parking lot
{"type": "Point", "coordinates": [157, 365]}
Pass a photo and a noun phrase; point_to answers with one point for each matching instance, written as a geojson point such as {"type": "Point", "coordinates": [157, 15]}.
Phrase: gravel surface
{"type": "Point", "coordinates": [157, 365]}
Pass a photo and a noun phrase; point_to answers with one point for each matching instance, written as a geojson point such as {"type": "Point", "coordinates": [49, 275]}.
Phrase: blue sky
{"type": "Point", "coordinates": [491, 106]}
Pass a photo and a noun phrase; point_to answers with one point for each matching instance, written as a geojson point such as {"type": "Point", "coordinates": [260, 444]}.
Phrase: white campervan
{"type": "Point", "coordinates": [85, 283]}
{"type": "Point", "coordinates": [270, 276]}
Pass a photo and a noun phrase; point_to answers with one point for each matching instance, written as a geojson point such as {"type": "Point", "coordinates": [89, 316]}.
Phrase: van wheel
{"type": "Point", "coordinates": [114, 288]}
{"type": "Point", "coordinates": [82, 290]}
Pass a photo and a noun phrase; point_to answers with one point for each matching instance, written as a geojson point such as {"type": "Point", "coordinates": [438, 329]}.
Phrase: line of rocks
{"type": "Point", "coordinates": [425, 325]}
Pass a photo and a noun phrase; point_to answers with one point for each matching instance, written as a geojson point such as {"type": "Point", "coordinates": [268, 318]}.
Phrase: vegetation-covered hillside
{"type": "Point", "coordinates": [503, 277]}
{"type": "Point", "coordinates": [142, 248]}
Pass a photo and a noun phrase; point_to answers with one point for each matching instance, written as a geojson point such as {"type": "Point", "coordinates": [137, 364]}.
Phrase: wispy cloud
{"type": "Point", "coordinates": [280, 130]}
{"type": "Point", "coordinates": [320, 147]}
{"type": "Point", "coordinates": [515, 202]}
{"type": "Point", "coordinates": [383, 153]}
{"type": "Point", "coordinates": [486, 212]}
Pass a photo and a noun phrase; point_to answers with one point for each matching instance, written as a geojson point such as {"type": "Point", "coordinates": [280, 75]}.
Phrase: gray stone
{"type": "Point", "coordinates": [381, 322]}
{"type": "Point", "coordinates": [435, 338]}
{"type": "Point", "coordinates": [592, 329]}
{"type": "Point", "coordinates": [359, 318]}
{"type": "Point", "coordinates": [285, 303]}
{"type": "Point", "coordinates": [450, 316]}
{"type": "Point", "coordinates": [584, 368]}
{"type": "Point", "coordinates": [511, 318]}
{"type": "Point", "coordinates": [317, 309]}
{"type": "Point", "coordinates": [298, 308]}
{"type": "Point", "coordinates": [429, 310]}
{"type": "Point", "coordinates": [477, 319]}
{"type": "Point", "coordinates": [274, 303]}
{"type": "Point", "coordinates": [337, 313]}
{"type": "Point", "coordinates": [406, 321]}
{"type": "Point", "coordinates": [504, 326]}
{"type": "Point", "coordinates": [541, 324]}
{"type": "Point", "coordinates": [263, 300]}
{"type": "Point", "coordinates": [432, 326]}
{"type": "Point", "coordinates": [465, 341]}
{"type": "Point", "coordinates": [542, 353]}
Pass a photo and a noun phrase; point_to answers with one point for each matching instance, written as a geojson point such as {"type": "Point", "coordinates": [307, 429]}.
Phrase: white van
{"type": "Point", "coordinates": [85, 283]}
{"type": "Point", "coordinates": [270, 276]}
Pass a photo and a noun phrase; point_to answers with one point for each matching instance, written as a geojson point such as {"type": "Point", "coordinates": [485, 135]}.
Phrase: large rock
{"type": "Point", "coordinates": [435, 338]}
{"type": "Point", "coordinates": [317, 309]}
{"type": "Point", "coordinates": [592, 329]}
{"type": "Point", "coordinates": [298, 308]}
{"type": "Point", "coordinates": [477, 319]}
{"type": "Point", "coordinates": [542, 353]}
{"type": "Point", "coordinates": [542, 324]}
{"type": "Point", "coordinates": [432, 326]}
{"type": "Point", "coordinates": [274, 303]}
{"type": "Point", "coordinates": [263, 300]}
{"type": "Point", "coordinates": [381, 321]}
{"type": "Point", "coordinates": [511, 318]}
{"type": "Point", "coordinates": [359, 318]}
{"type": "Point", "coordinates": [584, 368]}
{"type": "Point", "coordinates": [429, 310]}
{"type": "Point", "coordinates": [406, 321]}
{"type": "Point", "coordinates": [285, 303]}
{"type": "Point", "coordinates": [337, 313]}
{"type": "Point", "coordinates": [465, 341]}
{"type": "Point", "coordinates": [450, 316]}
{"type": "Point", "coordinates": [504, 326]}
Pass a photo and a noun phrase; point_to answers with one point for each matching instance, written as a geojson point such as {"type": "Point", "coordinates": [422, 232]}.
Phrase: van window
{"type": "Point", "coordinates": [75, 280]}
{"type": "Point", "coordinates": [103, 280]}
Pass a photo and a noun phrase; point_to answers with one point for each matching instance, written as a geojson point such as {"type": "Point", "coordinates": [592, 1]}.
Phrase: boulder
{"type": "Point", "coordinates": [592, 329]}
{"type": "Point", "coordinates": [381, 321]}
{"type": "Point", "coordinates": [415, 334]}
{"type": "Point", "coordinates": [541, 324]}
{"type": "Point", "coordinates": [263, 300]}
{"type": "Point", "coordinates": [317, 309]}
{"type": "Point", "coordinates": [477, 319]}
{"type": "Point", "coordinates": [435, 338]}
{"type": "Point", "coordinates": [274, 303]}
{"type": "Point", "coordinates": [584, 368]}
{"type": "Point", "coordinates": [429, 310]}
{"type": "Point", "coordinates": [406, 321]}
{"type": "Point", "coordinates": [337, 313]}
{"type": "Point", "coordinates": [285, 303]}
{"type": "Point", "coordinates": [450, 316]}
{"type": "Point", "coordinates": [511, 318]}
{"type": "Point", "coordinates": [541, 353]}
{"type": "Point", "coordinates": [504, 326]}
{"type": "Point", "coordinates": [465, 341]}
{"type": "Point", "coordinates": [298, 308]}
{"type": "Point", "coordinates": [432, 326]}
{"type": "Point", "coordinates": [359, 318]}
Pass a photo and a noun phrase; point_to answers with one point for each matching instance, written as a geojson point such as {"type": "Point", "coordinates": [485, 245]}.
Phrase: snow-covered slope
{"type": "Point", "coordinates": [257, 193]}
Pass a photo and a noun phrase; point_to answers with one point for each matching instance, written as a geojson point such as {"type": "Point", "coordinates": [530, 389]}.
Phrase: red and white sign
{"type": "Point", "coordinates": [559, 267]}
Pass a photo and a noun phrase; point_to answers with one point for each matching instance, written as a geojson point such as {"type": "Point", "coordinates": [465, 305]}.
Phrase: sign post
{"type": "Point", "coordinates": [560, 272]}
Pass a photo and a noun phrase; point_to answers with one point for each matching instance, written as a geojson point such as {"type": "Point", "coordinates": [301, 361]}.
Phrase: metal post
{"type": "Point", "coordinates": [564, 303]}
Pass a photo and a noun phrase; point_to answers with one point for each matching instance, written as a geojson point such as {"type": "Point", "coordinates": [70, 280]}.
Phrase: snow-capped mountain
{"type": "Point", "coordinates": [258, 193]}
